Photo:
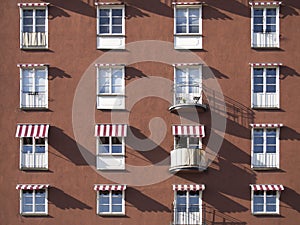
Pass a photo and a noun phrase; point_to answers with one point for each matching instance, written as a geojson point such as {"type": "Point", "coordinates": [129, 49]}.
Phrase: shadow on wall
{"type": "Point", "coordinates": [55, 72]}
{"type": "Point", "coordinates": [139, 201]}
{"type": "Point", "coordinates": [286, 71]}
{"type": "Point", "coordinates": [289, 8]}
{"type": "Point", "coordinates": [86, 8]}
{"type": "Point", "coordinates": [287, 133]}
{"type": "Point", "coordinates": [210, 13]}
{"type": "Point", "coordinates": [238, 7]}
{"type": "Point", "coordinates": [131, 72]}
{"type": "Point", "coordinates": [291, 198]}
{"type": "Point", "coordinates": [63, 200]}
{"type": "Point", "coordinates": [68, 147]}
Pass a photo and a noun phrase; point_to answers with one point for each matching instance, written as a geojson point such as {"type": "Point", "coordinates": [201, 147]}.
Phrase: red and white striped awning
{"type": "Point", "coordinates": [109, 3]}
{"type": "Point", "coordinates": [109, 187]}
{"type": "Point", "coordinates": [187, 3]}
{"type": "Point", "coordinates": [266, 125]}
{"type": "Point", "coordinates": [32, 130]}
{"type": "Point", "coordinates": [108, 65]}
{"type": "Point", "coordinates": [31, 65]}
{"type": "Point", "coordinates": [265, 64]}
{"type": "Point", "coordinates": [31, 186]}
{"type": "Point", "coordinates": [187, 64]}
{"type": "Point", "coordinates": [188, 187]}
{"type": "Point", "coordinates": [111, 130]}
{"type": "Point", "coordinates": [188, 130]}
{"type": "Point", "coordinates": [274, 3]}
{"type": "Point", "coordinates": [43, 4]}
{"type": "Point", "coordinates": [266, 187]}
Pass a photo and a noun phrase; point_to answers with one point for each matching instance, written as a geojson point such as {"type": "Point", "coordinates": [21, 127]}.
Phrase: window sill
{"type": "Point", "coordinates": [117, 154]}
{"type": "Point", "coordinates": [111, 214]}
{"type": "Point", "coordinates": [188, 34]}
{"type": "Point", "coordinates": [35, 48]}
{"type": "Point", "coordinates": [265, 107]}
{"type": "Point", "coordinates": [34, 169]}
{"type": "Point", "coordinates": [265, 213]}
{"type": "Point", "coordinates": [34, 214]}
{"type": "Point", "coordinates": [112, 94]}
{"type": "Point", "coordinates": [110, 35]}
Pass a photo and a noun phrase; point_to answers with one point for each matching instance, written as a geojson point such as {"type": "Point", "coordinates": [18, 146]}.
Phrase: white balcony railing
{"type": "Point", "coordinates": [34, 100]}
{"type": "Point", "coordinates": [265, 160]}
{"type": "Point", "coordinates": [265, 100]}
{"type": "Point", "coordinates": [183, 98]}
{"type": "Point", "coordinates": [34, 161]}
{"type": "Point", "coordinates": [183, 158]}
{"type": "Point", "coordinates": [34, 40]}
{"type": "Point", "coordinates": [191, 216]}
{"type": "Point", "coordinates": [265, 40]}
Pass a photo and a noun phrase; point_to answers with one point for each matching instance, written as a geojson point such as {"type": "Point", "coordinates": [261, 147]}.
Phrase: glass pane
{"type": "Point", "coordinates": [27, 141]}
{"type": "Point", "coordinates": [258, 88]}
{"type": "Point", "coordinates": [193, 29]}
{"type": "Point", "coordinates": [40, 21]}
{"type": "Point", "coordinates": [28, 29]}
{"type": "Point", "coordinates": [117, 80]}
{"type": "Point", "coordinates": [271, 149]}
{"type": "Point", "coordinates": [258, 149]}
{"type": "Point", "coordinates": [116, 208]}
{"type": "Point", "coordinates": [40, 149]}
{"type": "Point", "coordinates": [271, 28]}
{"type": "Point", "coordinates": [104, 21]}
{"type": "Point", "coordinates": [271, 80]}
{"type": "Point", "coordinates": [116, 194]}
{"type": "Point", "coordinates": [117, 12]}
{"type": "Point", "coordinates": [258, 208]}
{"type": "Point", "coordinates": [258, 28]}
{"type": "Point", "coordinates": [104, 140]}
{"type": "Point", "coordinates": [104, 12]}
{"type": "Point", "coordinates": [258, 20]}
{"type": "Point", "coordinates": [181, 12]}
{"type": "Point", "coordinates": [27, 200]}
{"type": "Point", "coordinates": [271, 12]}
{"type": "Point", "coordinates": [27, 149]}
{"type": "Point", "coordinates": [40, 12]}
{"type": "Point", "coordinates": [271, 208]}
{"type": "Point", "coordinates": [116, 149]}
{"type": "Point", "coordinates": [116, 29]}
{"type": "Point", "coordinates": [271, 132]}
{"type": "Point", "coordinates": [271, 200]}
{"type": "Point", "coordinates": [258, 12]}
{"type": "Point", "coordinates": [117, 89]}
{"type": "Point", "coordinates": [103, 208]}
{"type": "Point", "coordinates": [258, 80]}
{"type": "Point", "coordinates": [180, 29]}
{"type": "Point", "coordinates": [194, 140]}
{"type": "Point", "coordinates": [181, 21]}
{"type": "Point", "coordinates": [27, 21]}
{"type": "Point", "coordinates": [116, 140]}
{"type": "Point", "coordinates": [258, 200]}
{"type": "Point", "coordinates": [181, 142]}
{"type": "Point", "coordinates": [271, 140]}
{"type": "Point", "coordinates": [117, 200]}
{"type": "Point", "coordinates": [193, 21]}
{"type": "Point", "coordinates": [104, 29]}
{"type": "Point", "coordinates": [27, 12]}
{"type": "Point", "coordinates": [117, 21]}
{"type": "Point", "coordinates": [104, 89]}
{"type": "Point", "coordinates": [271, 20]}
{"type": "Point", "coordinates": [41, 29]}
{"type": "Point", "coordinates": [40, 200]}
{"type": "Point", "coordinates": [258, 140]}
{"type": "Point", "coordinates": [40, 208]}
{"type": "Point", "coordinates": [27, 208]}
{"type": "Point", "coordinates": [194, 13]}
{"type": "Point", "coordinates": [258, 71]}
{"type": "Point", "coordinates": [104, 149]}
{"type": "Point", "coordinates": [271, 71]}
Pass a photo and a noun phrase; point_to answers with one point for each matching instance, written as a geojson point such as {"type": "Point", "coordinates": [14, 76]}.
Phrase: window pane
{"type": "Point", "coordinates": [117, 89]}
{"type": "Point", "coordinates": [28, 29]}
{"type": "Point", "coordinates": [27, 199]}
{"type": "Point", "coordinates": [193, 29]}
{"type": "Point", "coordinates": [271, 149]}
{"type": "Point", "coordinates": [271, 140]}
{"type": "Point", "coordinates": [180, 29]}
{"type": "Point", "coordinates": [271, 208]}
{"type": "Point", "coordinates": [104, 149]}
{"type": "Point", "coordinates": [271, 20]}
{"type": "Point", "coordinates": [271, 12]}
{"type": "Point", "coordinates": [40, 21]}
{"type": "Point", "coordinates": [258, 71]}
{"type": "Point", "coordinates": [258, 149]}
{"type": "Point", "coordinates": [117, 21]}
{"type": "Point", "coordinates": [27, 21]}
{"type": "Point", "coordinates": [103, 208]}
{"type": "Point", "coordinates": [258, 140]}
{"type": "Point", "coordinates": [194, 13]}
{"type": "Point", "coordinates": [271, 200]}
{"type": "Point", "coordinates": [116, 29]}
{"type": "Point", "coordinates": [258, 208]}
{"type": "Point", "coordinates": [258, 20]}
{"type": "Point", "coordinates": [271, 28]}
{"type": "Point", "coordinates": [27, 12]}
{"type": "Point", "coordinates": [271, 71]}
{"type": "Point", "coordinates": [117, 12]}
{"type": "Point", "coordinates": [116, 140]}
{"type": "Point", "coordinates": [194, 140]}
{"type": "Point", "coordinates": [181, 12]}
{"type": "Point", "coordinates": [104, 12]}
{"type": "Point", "coordinates": [41, 29]}
{"type": "Point", "coordinates": [104, 29]}
{"type": "Point", "coordinates": [181, 142]}
{"type": "Point", "coordinates": [117, 200]}
{"type": "Point", "coordinates": [116, 149]}
{"type": "Point", "coordinates": [27, 141]}
{"type": "Point", "coordinates": [258, 200]}
{"type": "Point", "coordinates": [116, 208]}
{"type": "Point", "coordinates": [258, 80]}
{"type": "Point", "coordinates": [194, 21]}
{"type": "Point", "coordinates": [181, 21]}
{"type": "Point", "coordinates": [104, 140]}
{"type": "Point", "coordinates": [271, 80]}
{"type": "Point", "coordinates": [27, 208]}
{"type": "Point", "coordinates": [258, 28]}
{"type": "Point", "coordinates": [271, 132]}
{"type": "Point", "coordinates": [104, 21]}
{"type": "Point", "coordinates": [40, 208]}
{"type": "Point", "coordinates": [258, 88]}
{"type": "Point", "coordinates": [258, 12]}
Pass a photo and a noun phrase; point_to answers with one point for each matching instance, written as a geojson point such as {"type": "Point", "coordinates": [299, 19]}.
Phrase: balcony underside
{"type": "Point", "coordinates": [187, 168]}
{"type": "Point", "coordinates": [188, 107]}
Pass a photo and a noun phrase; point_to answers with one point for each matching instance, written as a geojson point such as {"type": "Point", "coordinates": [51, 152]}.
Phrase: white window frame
{"type": "Point", "coordinates": [110, 213]}
{"type": "Point", "coordinates": [111, 40]}
{"type": "Point", "coordinates": [187, 207]}
{"type": "Point", "coordinates": [264, 212]}
{"type": "Point", "coordinates": [265, 154]}
{"type": "Point", "coordinates": [265, 34]}
{"type": "Point", "coordinates": [35, 94]}
{"type": "Point", "coordinates": [110, 146]}
{"type": "Point", "coordinates": [34, 8]}
{"type": "Point", "coordinates": [111, 100]}
{"type": "Point", "coordinates": [266, 99]}
{"type": "Point", "coordinates": [34, 205]}
{"type": "Point", "coordinates": [34, 154]}
{"type": "Point", "coordinates": [183, 100]}
{"type": "Point", "coordinates": [188, 40]}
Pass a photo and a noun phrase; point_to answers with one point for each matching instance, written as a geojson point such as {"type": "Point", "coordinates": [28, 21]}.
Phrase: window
{"type": "Point", "coordinates": [33, 199]}
{"type": "Point", "coordinates": [265, 147]}
{"type": "Point", "coordinates": [33, 86]}
{"type": "Point", "coordinates": [33, 146]}
{"type": "Point", "coordinates": [265, 26]}
{"type": "Point", "coordinates": [188, 85]}
{"type": "Point", "coordinates": [110, 199]}
{"type": "Point", "coordinates": [188, 205]}
{"type": "Point", "coordinates": [265, 87]}
{"type": "Point", "coordinates": [110, 87]}
{"type": "Point", "coordinates": [33, 25]}
{"type": "Point", "coordinates": [110, 26]}
{"type": "Point", "coordinates": [265, 199]}
{"type": "Point", "coordinates": [188, 142]}
{"type": "Point", "coordinates": [188, 26]}
{"type": "Point", "coordinates": [111, 146]}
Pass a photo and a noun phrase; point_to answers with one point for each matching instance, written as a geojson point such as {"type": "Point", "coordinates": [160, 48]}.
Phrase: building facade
{"type": "Point", "coordinates": [143, 112]}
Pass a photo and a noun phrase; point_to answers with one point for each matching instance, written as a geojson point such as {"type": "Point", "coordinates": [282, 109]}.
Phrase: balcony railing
{"type": "Point", "coordinates": [265, 160]}
{"type": "Point", "coordinates": [34, 100]}
{"type": "Point", "coordinates": [187, 159]}
{"type": "Point", "coordinates": [34, 161]}
{"type": "Point", "coordinates": [265, 40]}
{"type": "Point", "coordinates": [187, 216]}
{"type": "Point", "coordinates": [187, 100]}
{"type": "Point", "coordinates": [34, 40]}
{"type": "Point", "coordinates": [265, 100]}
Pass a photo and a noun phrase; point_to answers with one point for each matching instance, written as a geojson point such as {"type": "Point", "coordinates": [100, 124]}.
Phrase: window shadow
{"type": "Point", "coordinates": [291, 198]}
{"type": "Point", "coordinates": [238, 7]}
{"type": "Point", "coordinates": [287, 133]}
{"type": "Point", "coordinates": [131, 72]}
{"type": "Point", "coordinates": [210, 13]}
{"type": "Point", "coordinates": [86, 8]}
{"type": "Point", "coordinates": [143, 202]}
{"type": "Point", "coordinates": [210, 72]}
{"type": "Point", "coordinates": [55, 72]}
{"type": "Point", "coordinates": [63, 200]}
{"type": "Point", "coordinates": [133, 12]}
{"type": "Point", "coordinates": [286, 71]}
{"type": "Point", "coordinates": [288, 8]}
{"type": "Point", "coordinates": [68, 147]}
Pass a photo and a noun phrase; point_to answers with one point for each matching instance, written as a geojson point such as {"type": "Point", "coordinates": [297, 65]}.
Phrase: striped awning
{"type": "Point", "coordinates": [111, 130]}
{"type": "Point", "coordinates": [108, 64]}
{"type": "Point", "coordinates": [188, 130]}
{"type": "Point", "coordinates": [187, 3]}
{"type": "Point", "coordinates": [188, 187]}
{"type": "Point", "coordinates": [109, 187]}
{"type": "Point", "coordinates": [22, 65]}
{"type": "Point", "coordinates": [109, 3]}
{"type": "Point", "coordinates": [31, 186]}
{"type": "Point", "coordinates": [32, 130]}
{"type": "Point", "coordinates": [186, 64]}
{"type": "Point", "coordinates": [266, 187]}
{"type": "Point", "coordinates": [265, 64]}
{"type": "Point", "coordinates": [274, 3]}
{"type": "Point", "coordinates": [43, 4]}
{"type": "Point", "coordinates": [266, 125]}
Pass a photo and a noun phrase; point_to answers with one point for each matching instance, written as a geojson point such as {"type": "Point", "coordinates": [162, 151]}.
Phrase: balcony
{"type": "Point", "coordinates": [34, 161]}
{"type": "Point", "coordinates": [34, 40]}
{"type": "Point", "coordinates": [188, 102]}
{"type": "Point", "coordinates": [265, 40]}
{"type": "Point", "coordinates": [187, 159]}
{"type": "Point", "coordinates": [32, 100]}
{"type": "Point", "coordinates": [265, 161]}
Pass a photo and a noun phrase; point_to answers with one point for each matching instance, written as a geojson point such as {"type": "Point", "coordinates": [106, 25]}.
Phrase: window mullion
{"type": "Point", "coordinates": [110, 145]}
{"type": "Point", "coordinates": [33, 80]}
{"type": "Point", "coordinates": [33, 21]}
{"type": "Point", "coordinates": [110, 202]}
{"type": "Point", "coordinates": [187, 20]}
{"type": "Point", "coordinates": [110, 21]}
{"type": "Point", "coordinates": [33, 201]}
